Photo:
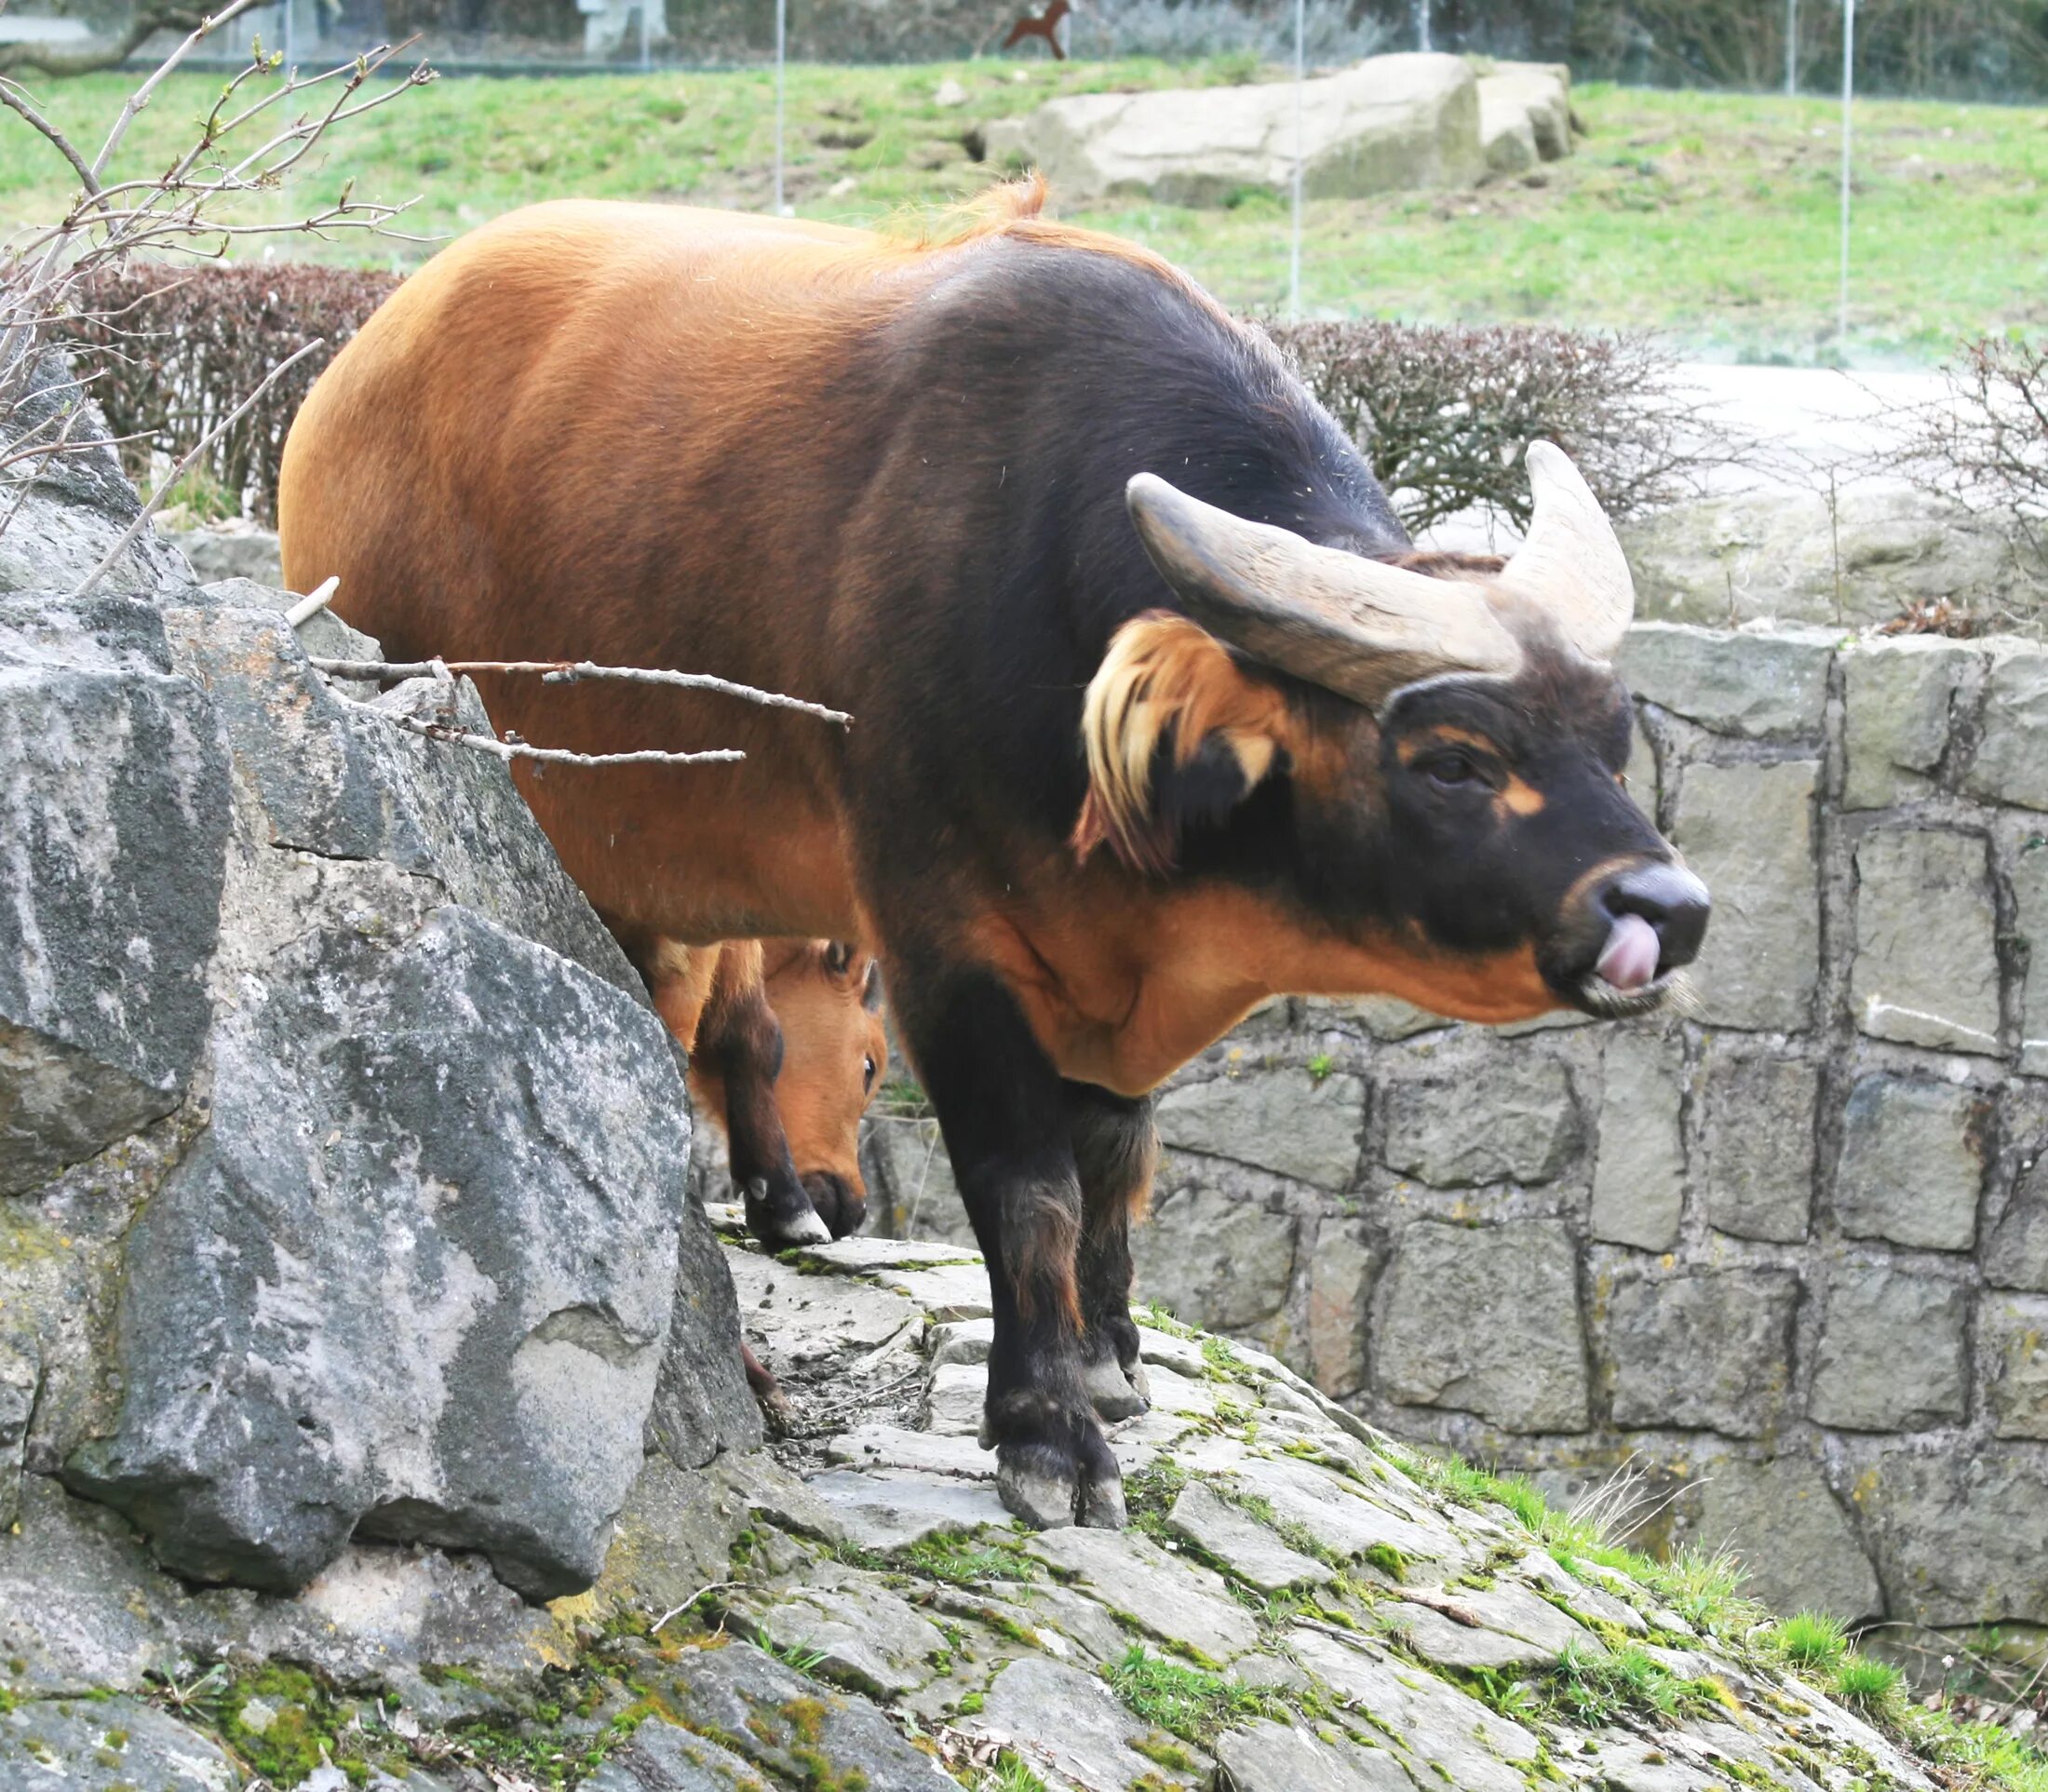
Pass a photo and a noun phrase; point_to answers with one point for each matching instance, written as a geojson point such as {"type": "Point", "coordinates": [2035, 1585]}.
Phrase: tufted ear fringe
{"type": "Point", "coordinates": [1165, 684]}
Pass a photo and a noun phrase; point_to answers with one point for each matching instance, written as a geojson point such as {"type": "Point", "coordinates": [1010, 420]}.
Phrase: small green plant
{"type": "Point", "coordinates": [1321, 1065]}
{"type": "Point", "coordinates": [1704, 1588]}
{"type": "Point", "coordinates": [1811, 1640]}
{"type": "Point", "coordinates": [1013, 1774]}
{"type": "Point", "coordinates": [960, 1561]}
{"type": "Point", "coordinates": [805, 1660]}
{"type": "Point", "coordinates": [1594, 1690]}
{"type": "Point", "coordinates": [1187, 1702]}
{"type": "Point", "coordinates": [1873, 1687]}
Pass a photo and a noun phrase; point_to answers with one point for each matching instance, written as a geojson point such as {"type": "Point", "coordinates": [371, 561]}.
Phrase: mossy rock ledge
{"type": "Point", "coordinates": [1300, 1602]}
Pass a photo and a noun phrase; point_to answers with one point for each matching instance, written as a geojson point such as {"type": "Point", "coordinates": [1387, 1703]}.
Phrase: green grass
{"type": "Point", "coordinates": [1594, 1690]}
{"type": "Point", "coordinates": [1873, 1687]}
{"type": "Point", "coordinates": [1812, 1640]}
{"type": "Point", "coordinates": [1187, 1702]}
{"type": "Point", "coordinates": [1712, 215]}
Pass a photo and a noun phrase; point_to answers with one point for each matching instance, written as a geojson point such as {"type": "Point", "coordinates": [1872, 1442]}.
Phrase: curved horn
{"type": "Point", "coordinates": [1355, 626]}
{"type": "Point", "coordinates": [1570, 566]}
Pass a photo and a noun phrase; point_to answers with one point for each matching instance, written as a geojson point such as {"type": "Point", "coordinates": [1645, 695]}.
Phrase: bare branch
{"type": "Point", "coordinates": [16, 100]}
{"type": "Point", "coordinates": [147, 91]}
{"type": "Point", "coordinates": [314, 601]}
{"type": "Point", "coordinates": [515, 748]}
{"type": "Point", "coordinates": [576, 672]}
{"type": "Point", "coordinates": [149, 509]}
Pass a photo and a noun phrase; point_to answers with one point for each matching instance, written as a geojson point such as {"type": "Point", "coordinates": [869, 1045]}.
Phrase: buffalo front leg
{"type": "Point", "coordinates": [1116, 1151]}
{"type": "Point", "coordinates": [1005, 1116]}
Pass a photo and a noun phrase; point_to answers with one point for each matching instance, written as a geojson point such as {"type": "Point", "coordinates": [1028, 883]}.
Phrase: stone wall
{"type": "Point", "coordinates": [1792, 1253]}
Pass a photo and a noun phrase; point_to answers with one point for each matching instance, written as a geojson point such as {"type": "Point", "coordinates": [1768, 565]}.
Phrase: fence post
{"type": "Point", "coordinates": [1848, 93]}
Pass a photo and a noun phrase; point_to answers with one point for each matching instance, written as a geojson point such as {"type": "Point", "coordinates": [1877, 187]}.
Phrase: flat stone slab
{"type": "Point", "coordinates": [1269, 1757]}
{"type": "Point", "coordinates": [867, 1636]}
{"type": "Point", "coordinates": [785, 1721]}
{"type": "Point", "coordinates": [888, 1447]}
{"type": "Point", "coordinates": [954, 1398]}
{"type": "Point", "coordinates": [60, 1745]}
{"type": "Point", "coordinates": [1338, 1514]}
{"type": "Point", "coordinates": [953, 1292]}
{"type": "Point", "coordinates": [962, 1340]}
{"type": "Point", "coordinates": [1066, 1720]}
{"type": "Point", "coordinates": [1175, 1600]}
{"type": "Point", "coordinates": [806, 1317]}
{"type": "Point", "coordinates": [889, 1512]}
{"type": "Point", "coordinates": [1247, 1548]}
{"type": "Point", "coordinates": [661, 1756]}
{"type": "Point", "coordinates": [1448, 1643]}
{"type": "Point", "coordinates": [866, 1256]}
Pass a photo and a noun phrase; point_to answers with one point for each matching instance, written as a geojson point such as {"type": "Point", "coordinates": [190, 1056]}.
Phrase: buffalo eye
{"type": "Point", "coordinates": [867, 1075]}
{"type": "Point", "coordinates": [839, 958]}
{"type": "Point", "coordinates": [1451, 771]}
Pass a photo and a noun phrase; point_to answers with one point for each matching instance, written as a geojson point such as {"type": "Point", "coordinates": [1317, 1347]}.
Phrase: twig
{"type": "Point", "coordinates": [509, 750]}
{"type": "Point", "coordinates": [143, 94]}
{"type": "Point", "coordinates": [575, 672]}
{"type": "Point", "coordinates": [164, 487]}
{"type": "Point", "coordinates": [676, 1611]}
{"type": "Point", "coordinates": [314, 601]}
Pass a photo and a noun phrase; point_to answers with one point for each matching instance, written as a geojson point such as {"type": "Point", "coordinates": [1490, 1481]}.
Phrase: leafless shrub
{"type": "Point", "coordinates": [1984, 443]}
{"type": "Point", "coordinates": [1444, 413]}
{"type": "Point", "coordinates": [180, 345]}
{"type": "Point", "coordinates": [249, 143]}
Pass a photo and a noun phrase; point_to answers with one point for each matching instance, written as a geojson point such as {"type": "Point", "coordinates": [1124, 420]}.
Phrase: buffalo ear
{"type": "Point", "coordinates": [1177, 733]}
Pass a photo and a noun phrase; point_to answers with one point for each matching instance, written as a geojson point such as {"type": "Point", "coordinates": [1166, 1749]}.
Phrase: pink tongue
{"type": "Point", "coordinates": [1629, 960]}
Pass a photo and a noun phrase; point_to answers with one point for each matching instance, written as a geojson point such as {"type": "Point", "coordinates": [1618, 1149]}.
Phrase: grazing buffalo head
{"type": "Point", "coordinates": [827, 996]}
{"type": "Point", "coordinates": [1422, 762]}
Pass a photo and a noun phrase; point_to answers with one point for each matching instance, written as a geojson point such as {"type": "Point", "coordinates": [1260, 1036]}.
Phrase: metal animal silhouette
{"type": "Point", "coordinates": [1046, 26]}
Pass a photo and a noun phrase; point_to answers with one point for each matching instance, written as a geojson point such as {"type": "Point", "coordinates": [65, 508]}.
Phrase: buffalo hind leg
{"type": "Point", "coordinates": [713, 1000]}
{"type": "Point", "coordinates": [1006, 1119]}
{"type": "Point", "coordinates": [1115, 1148]}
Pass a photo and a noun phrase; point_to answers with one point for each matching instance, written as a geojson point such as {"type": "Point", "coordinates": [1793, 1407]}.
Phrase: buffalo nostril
{"type": "Point", "coordinates": [1671, 899]}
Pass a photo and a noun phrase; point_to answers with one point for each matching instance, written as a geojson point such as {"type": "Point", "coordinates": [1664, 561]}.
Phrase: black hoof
{"type": "Point", "coordinates": [1049, 1487]}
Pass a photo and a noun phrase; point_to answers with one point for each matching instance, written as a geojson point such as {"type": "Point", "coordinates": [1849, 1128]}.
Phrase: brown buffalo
{"type": "Point", "coordinates": [1156, 711]}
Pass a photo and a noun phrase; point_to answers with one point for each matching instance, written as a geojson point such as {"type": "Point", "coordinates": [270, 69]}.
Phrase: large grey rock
{"type": "Point", "coordinates": [416, 1277]}
{"type": "Point", "coordinates": [1898, 698]}
{"type": "Point", "coordinates": [79, 503]}
{"type": "Point", "coordinates": [1484, 1319]}
{"type": "Point", "coordinates": [1515, 1121]}
{"type": "Point", "coordinates": [1390, 122]}
{"type": "Point", "coordinates": [702, 1402]}
{"type": "Point", "coordinates": [114, 823]}
{"type": "Point", "coordinates": [1524, 116]}
{"type": "Point", "coordinates": [20, 1375]}
{"type": "Point", "coordinates": [1892, 1353]}
{"type": "Point", "coordinates": [239, 549]}
{"type": "Point", "coordinates": [1766, 684]}
{"type": "Point", "coordinates": [1960, 1536]}
{"type": "Point", "coordinates": [1286, 1121]}
{"type": "Point", "coordinates": [1758, 1135]}
{"type": "Point", "coordinates": [1228, 1534]}
{"type": "Point", "coordinates": [795, 1726]}
{"type": "Point", "coordinates": [2029, 874]}
{"type": "Point", "coordinates": [1912, 1162]}
{"type": "Point", "coordinates": [1784, 1524]}
{"type": "Point", "coordinates": [1911, 981]}
{"type": "Point", "coordinates": [1215, 1260]}
{"type": "Point", "coordinates": [663, 1757]}
{"type": "Point", "coordinates": [2012, 760]}
{"type": "Point", "coordinates": [863, 1636]}
{"type": "Point", "coordinates": [1702, 1349]}
{"type": "Point", "coordinates": [1748, 830]}
{"type": "Point", "coordinates": [1068, 1720]}
{"type": "Point", "coordinates": [2016, 1256]}
{"type": "Point", "coordinates": [1781, 556]}
{"type": "Point", "coordinates": [2014, 1330]}
{"type": "Point", "coordinates": [1638, 1173]}
{"type": "Point", "coordinates": [58, 1745]}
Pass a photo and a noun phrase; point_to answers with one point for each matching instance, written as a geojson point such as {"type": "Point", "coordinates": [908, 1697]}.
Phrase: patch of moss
{"type": "Point", "coordinates": [1159, 1747]}
{"type": "Point", "coordinates": [1388, 1561]}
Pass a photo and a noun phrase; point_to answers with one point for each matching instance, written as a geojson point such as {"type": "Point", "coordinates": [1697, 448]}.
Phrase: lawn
{"type": "Point", "coordinates": [1710, 215]}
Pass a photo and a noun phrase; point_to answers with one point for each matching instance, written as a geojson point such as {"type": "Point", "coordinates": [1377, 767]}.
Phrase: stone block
{"type": "Point", "coordinates": [2016, 1256]}
{"type": "Point", "coordinates": [1339, 1285]}
{"type": "Point", "coordinates": [1218, 1262]}
{"type": "Point", "coordinates": [1286, 1121]}
{"type": "Point", "coordinates": [1791, 1534]}
{"type": "Point", "coordinates": [2012, 759]}
{"type": "Point", "coordinates": [2029, 883]}
{"type": "Point", "coordinates": [1378, 1016]}
{"type": "Point", "coordinates": [1748, 830]}
{"type": "Point", "coordinates": [1892, 1353]}
{"type": "Point", "coordinates": [1070, 1721]}
{"type": "Point", "coordinates": [1960, 1536]}
{"type": "Point", "coordinates": [1486, 1320]}
{"type": "Point", "coordinates": [416, 1278]}
{"type": "Point", "coordinates": [1514, 1119]}
{"type": "Point", "coordinates": [1926, 970]}
{"type": "Point", "coordinates": [1702, 1349]}
{"type": "Point", "coordinates": [1389, 123]}
{"type": "Point", "coordinates": [1757, 1138]}
{"type": "Point", "coordinates": [114, 825]}
{"type": "Point", "coordinates": [2014, 1330]}
{"type": "Point", "coordinates": [1765, 685]}
{"type": "Point", "coordinates": [1638, 1173]}
{"type": "Point", "coordinates": [48, 1746]}
{"type": "Point", "coordinates": [1897, 693]}
{"type": "Point", "coordinates": [1912, 1162]}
